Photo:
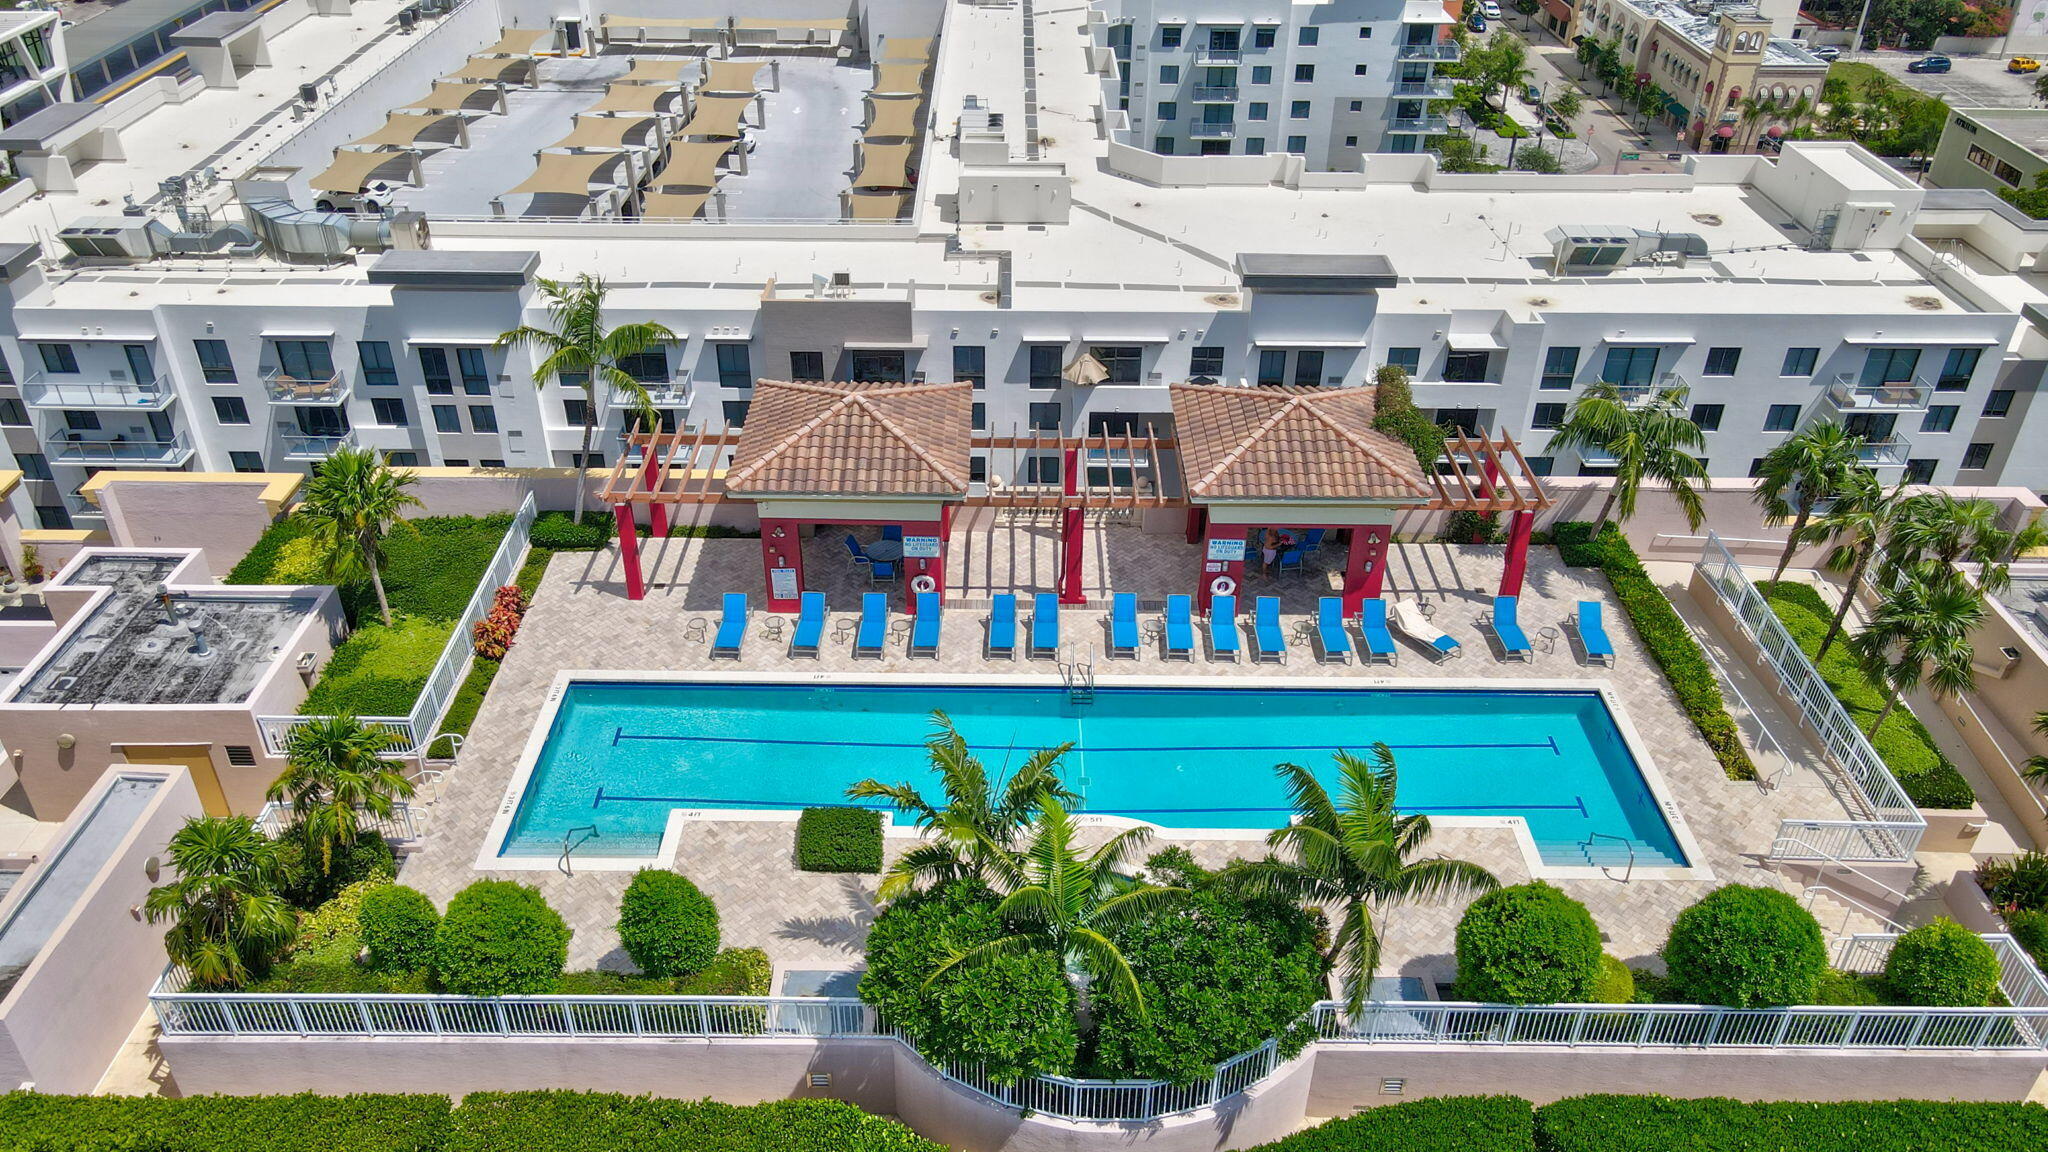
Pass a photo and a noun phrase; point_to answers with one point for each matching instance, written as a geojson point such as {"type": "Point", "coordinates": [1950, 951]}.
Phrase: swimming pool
{"type": "Point", "coordinates": [618, 756]}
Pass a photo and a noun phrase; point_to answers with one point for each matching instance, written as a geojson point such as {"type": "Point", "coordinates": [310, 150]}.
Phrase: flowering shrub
{"type": "Point", "coordinates": [494, 632]}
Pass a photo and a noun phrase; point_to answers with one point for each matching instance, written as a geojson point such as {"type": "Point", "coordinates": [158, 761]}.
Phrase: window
{"type": "Point", "coordinates": [1541, 465]}
{"type": "Point", "coordinates": [246, 461]}
{"type": "Point", "coordinates": [1364, 32]}
{"type": "Point", "coordinates": [1408, 360]}
{"type": "Point", "coordinates": [977, 470]}
{"type": "Point", "coordinates": [1357, 70]}
{"type": "Point", "coordinates": [1163, 145]}
{"type": "Point", "coordinates": [483, 418]}
{"type": "Point", "coordinates": [1977, 455]}
{"type": "Point", "coordinates": [403, 458]}
{"type": "Point", "coordinates": [1205, 364]}
{"type": "Point", "coordinates": [1756, 467]}
{"type": "Point", "coordinates": [1465, 420]}
{"type": "Point", "coordinates": [1919, 471]}
{"type": "Point", "coordinates": [230, 410]}
{"type": "Point", "coordinates": [736, 412]}
{"type": "Point", "coordinates": [82, 421]}
{"type": "Point", "coordinates": [1255, 145]}
{"type": "Point", "coordinates": [647, 366]}
{"type": "Point", "coordinates": [34, 465]}
{"type": "Point", "coordinates": [575, 411]}
{"type": "Point", "coordinates": [1041, 469]}
{"type": "Point", "coordinates": [1722, 361]}
{"type": "Point", "coordinates": [58, 358]}
{"type": "Point", "coordinates": [578, 460]}
{"type": "Point", "coordinates": [980, 415]}
{"type": "Point", "coordinates": [54, 517]}
{"type": "Point", "coordinates": [1168, 110]}
{"type": "Point", "coordinates": [1358, 105]}
{"type": "Point", "coordinates": [1297, 110]}
{"type": "Point", "coordinates": [2005, 172]}
{"type": "Point", "coordinates": [735, 367]}
{"type": "Point", "coordinates": [1307, 36]}
{"type": "Point", "coordinates": [1308, 367]}
{"type": "Point", "coordinates": [1939, 418]}
{"type": "Point", "coordinates": [1263, 37]}
{"type": "Point", "coordinates": [490, 462]}
{"type": "Point", "coordinates": [1169, 73]}
{"type": "Point", "coordinates": [446, 418]}
{"type": "Point", "coordinates": [1781, 418]}
{"type": "Point", "coordinates": [12, 413]}
{"type": "Point", "coordinates": [1045, 365]}
{"type": "Point", "coordinates": [1045, 417]}
{"type": "Point", "coordinates": [1559, 366]}
{"type": "Point", "coordinates": [1800, 361]}
{"type": "Point", "coordinates": [215, 366]}
{"type": "Point", "coordinates": [1256, 110]}
{"type": "Point", "coordinates": [434, 366]}
{"type": "Point", "coordinates": [1272, 366]}
{"type": "Point", "coordinates": [1707, 417]}
{"type": "Point", "coordinates": [1304, 73]}
{"type": "Point", "coordinates": [476, 375]}
{"type": "Point", "coordinates": [375, 357]}
{"type": "Point", "coordinates": [1125, 362]}
{"type": "Point", "coordinates": [1957, 369]}
{"type": "Point", "coordinates": [1634, 366]}
{"type": "Point", "coordinates": [1262, 74]}
{"type": "Point", "coordinates": [1547, 416]}
{"type": "Point", "coordinates": [1889, 366]}
{"type": "Point", "coordinates": [305, 359]}
{"type": "Point", "coordinates": [452, 462]}
{"type": "Point", "coordinates": [388, 411]}
{"type": "Point", "coordinates": [1169, 35]}
{"type": "Point", "coordinates": [1351, 141]}
{"type": "Point", "coordinates": [1297, 143]}
{"type": "Point", "coordinates": [1998, 402]}
{"type": "Point", "coordinates": [806, 365]}
{"type": "Point", "coordinates": [970, 363]}
{"type": "Point", "coordinates": [885, 365]}
{"type": "Point", "coordinates": [1466, 367]}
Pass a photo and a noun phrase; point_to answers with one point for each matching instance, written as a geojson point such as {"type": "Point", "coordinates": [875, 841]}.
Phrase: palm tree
{"type": "Point", "coordinates": [227, 924]}
{"type": "Point", "coordinates": [1939, 529]}
{"type": "Point", "coordinates": [1506, 65]}
{"type": "Point", "coordinates": [1920, 633]}
{"type": "Point", "coordinates": [1649, 439]}
{"type": "Point", "coordinates": [2037, 766]}
{"type": "Point", "coordinates": [1801, 473]}
{"type": "Point", "coordinates": [352, 501]}
{"type": "Point", "coordinates": [1062, 902]}
{"type": "Point", "coordinates": [981, 816]}
{"type": "Point", "coordinates": [578, 347]}
{"type": "Point", "coordinates": [1859, 523]}
{"type": "Point", "coordinates": [1355, 856]}
{"type": "Point", "coordinates": [334, 772]}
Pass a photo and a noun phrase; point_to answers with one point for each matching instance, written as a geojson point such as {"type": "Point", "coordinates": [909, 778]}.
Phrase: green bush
{"type": "Point", "coordinates": [1941, 965]}
{"type": "Point", "coordinates": [32, 1122]}
{"type": "Point", "coordinates": [1664, 634]}
{"type": "Point", "coordinates": [559, 532]}
{"type": "Point", "coordinates": [431, 565]}
{"type": "Point", "coordinates": [2016, 883]}
{"type": "Point", "coordinates": [463, 709]}
{"type": "Point", "coordinates": [1614, 983]}
{"type": "Point", "coordinates": [1838, 989]}
{"type": "Point", "coordinates": [330, 931]}
{"type": "Point", "coordinates": [2030, 931]}
{"type": "Point", "coordinates": [1528, 944]}
{"type": "Point", "coordinates": [1658, 1124]}
{"type": "Point", "coordinates": [1395, 414]}
{"type": "Point", "coordinates": [1441, 1124]}
{"type": "Point", "coordinates": [500, 939]}
{"type": "Point", "coordinates": [733, 972]}
{"type": "Point", "coordinates": [1467, 527]}
{"type": "Point", "coordinates": [315, 974]}
{"type": "Point", "coordinates": [602, 1122]}
{"type": "Point", "coordinates": [378, 670]}
{"type": "Point", "coordinates": [1745, 947]}
{"type": "Point", "coordinates": [666, 925]}
{"type": "Point", "coordinates": [398, 925]}
{"type": "Point", "coordinates": [839, 840]}
{"type": "Point", "coordinates": [302, 883]}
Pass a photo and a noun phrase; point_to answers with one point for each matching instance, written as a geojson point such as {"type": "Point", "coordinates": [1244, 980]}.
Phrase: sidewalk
{"type": "Point", "coordinates": [1603, 130]}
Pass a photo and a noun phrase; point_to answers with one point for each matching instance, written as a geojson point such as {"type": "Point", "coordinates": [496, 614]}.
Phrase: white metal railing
{"type": "Point", "coordinates": [1212, 130]}
{"type": "Point", "coordinates": [414, 731]}
{"type": "Point", "coordinates": [399, 827]}
{"type": "Point", "coordinates": [1849, 393]}
{"type": "Point", "coordinates": [39, 391]}
{"type": "Point", "coordinates": [300, 446]}
{"type": "Point", "coordinates": [1440, 51]}
{"type": "Point", "coordinates": [1850, 907]}
{"type": "Point", "coordinates": [67, 447]}
{"type": "Point", "coordinates": [1889, 452]}
{"type": "Point", "coordinates": [284, 388]}
{"type": "Point", "coordinates": [1884, 825]}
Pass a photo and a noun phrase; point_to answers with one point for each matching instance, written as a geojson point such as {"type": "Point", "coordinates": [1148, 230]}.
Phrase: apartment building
{"type": "Point", "coordinates": [34, 71]}
{"type": "Point", "coordinates": [1328, 82]}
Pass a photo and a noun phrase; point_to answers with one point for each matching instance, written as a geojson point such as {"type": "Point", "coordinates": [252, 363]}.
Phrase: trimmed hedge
{"type": "Point", "coordinates": [1658, 1124]}
{"type": "Point", "coordinates": [500, 938]}
{"type": "Point", "coordinates": [1441, 1124]}
{"type": "Point", "coordinates": [603, 1122]}
{"type": "Point", "coordinates": [1745, 947]}
{"type": "Point", "coordinates": [397, 925]}
{"type": "Point", "coordinates": [30, 1122]}
{"type": "Point", "coordinates": [1528, 944]}
{"type": "Point", "coordinates": [666, 925]}
{"type": "Point", "coordinates": [839, 840]}
{"type": "Point", "coordinates": [1669, 641]}
{"type": "Point", "coordinates": [1942, 965]}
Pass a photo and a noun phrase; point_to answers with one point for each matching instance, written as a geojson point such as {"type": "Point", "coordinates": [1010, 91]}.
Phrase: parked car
{"type": "Point", "coordinates": [1826, 52]}
{"type": "Point", "coordinates": [1532, 95]}
{"type": "Point", "coordinates": [1491, 9]}
{"type": "Point", "coordinates": [1476, 21]}
{"type": "Point", "coordinates": [2023, 64]}
{"type": "Point", "coordinates": [1930, 64]}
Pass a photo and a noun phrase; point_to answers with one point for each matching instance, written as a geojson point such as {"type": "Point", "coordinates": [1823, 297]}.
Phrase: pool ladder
{"type": "Point", "coordinates": [1079, 677]}
{"type": "Point", "coordinates": [570, 844]}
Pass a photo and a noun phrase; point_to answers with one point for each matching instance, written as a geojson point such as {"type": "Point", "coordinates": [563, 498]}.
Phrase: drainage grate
{"type": "Point", "coordinates": [1393, 1086]}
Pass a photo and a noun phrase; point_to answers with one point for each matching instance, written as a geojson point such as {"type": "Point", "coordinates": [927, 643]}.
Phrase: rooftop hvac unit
{"type": "Point", "coordinates": [111, 237]}
{"type": "Point", "coordinates": [309, 94]}
{"type": "Point", "coordinates": [1578, 250]}
{"type": "Point", "coordinates": [408, 19]}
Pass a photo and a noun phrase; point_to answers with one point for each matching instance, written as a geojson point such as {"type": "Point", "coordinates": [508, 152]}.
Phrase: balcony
{"type": "Point", "coordinates": [73, 448]}
{"type": "Point", "coordinates": [301, 391]}
{"type": "Point", "coordinates": [39, 391]}
{"type": "Point", "coordinates": [1215, 94]}
{"type": "Point", "coordinates": [663, 393]}
{"type": "Point", "coordinates": [301, 446]}
{"type": "Point", "coordinates": [1426, 90]}
{"type": "Point", "coordinates": [1205, 130]}
{"type": "Point", "coordinates": [1418, 126]}
{"type": "Point", "coordinates": [1848, 395]}
{"type": "Point", "coordinates": [1889, 452]}
{"type": "Point", "coordinates": [1214, 55]}
{"type": "Point", "coordinates": [1435, 52]}
{"type": "Point", "coordinates": [1636, 391]}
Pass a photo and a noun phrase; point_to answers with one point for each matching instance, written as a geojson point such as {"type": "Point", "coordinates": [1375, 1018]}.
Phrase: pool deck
{"type": "Point", "coordinates": [581, 620]}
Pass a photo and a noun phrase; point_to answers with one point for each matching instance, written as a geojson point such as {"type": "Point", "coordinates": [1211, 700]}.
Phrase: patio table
{"type": "Point", "coordinates": [887, 551]}
{"type": "Point", "coordinates": [1549, 638]}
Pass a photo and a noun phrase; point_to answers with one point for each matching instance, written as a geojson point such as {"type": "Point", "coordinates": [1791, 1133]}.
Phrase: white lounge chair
{"type": "Point", "coordinates": [1408, 620]}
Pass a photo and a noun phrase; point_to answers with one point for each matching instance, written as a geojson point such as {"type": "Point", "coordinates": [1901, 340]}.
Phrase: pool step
{"type": "Point", "coordinates": [1600, 854]}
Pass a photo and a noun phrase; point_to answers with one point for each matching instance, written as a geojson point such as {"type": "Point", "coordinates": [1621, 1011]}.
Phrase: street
{"type": "Point", "coordinates": [1975, 82]}
{"type": "Point", "coordinates": [1604, 134]}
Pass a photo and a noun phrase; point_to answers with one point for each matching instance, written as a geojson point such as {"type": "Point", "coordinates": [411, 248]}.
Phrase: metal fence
{"type": "Point", "coordinates": [415, 731]}
{"type": "Point", "coordinates": [1884, 825]}
{"type": "Point", "coordinates": [399, 827]}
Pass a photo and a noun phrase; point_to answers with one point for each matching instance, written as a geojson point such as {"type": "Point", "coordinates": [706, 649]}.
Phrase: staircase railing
{"type": "Point", "coordinates": [1627, 843]}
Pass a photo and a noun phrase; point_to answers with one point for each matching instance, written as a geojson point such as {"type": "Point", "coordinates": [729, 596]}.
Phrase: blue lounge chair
{"type": "Point", "coordinates": [1002, 627]}
{"type": "Point", "coordinates": [1512, 642]}
{"type": "Point", "coordinates": [1593, 634]}
{"type": "Point", "coordinates": [1290, 561]}
{"type": "Point", "coordinates": [881, 572]}
{"type": "Point", "coordinates": [1372, 625]}
{"type": "Point", "coordinates": [1123, 624]}
{"type": "Point", "coordinates": [1045, 625]}
{"type": "Point", "coordinates": [1266, 635]}
{"type": "Point", "coordinates": [924, 633]}
{"type": "Point", "coordinates": [1180, 628]}
{"type": "Point", "coordinates": [853, 548]}
{"type": "Point", "coordinates": [810, 625]}
{"type": "Point", "coordinates": [1225, 642]}
{"type": "Point", "coordinates": [732, 626]}
{"type": "Point", "coordinates": [1408, 617]}
{"type": "Point", "coordinates": [1336, 643]}
{"type": "Point", "coordinates": [874, 624]}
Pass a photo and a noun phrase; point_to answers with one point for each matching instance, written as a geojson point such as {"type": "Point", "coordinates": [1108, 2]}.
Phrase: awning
{"type": "Point", "coordinates": [908, 342]}
{"type": "Point", "coordinates": [632, 98]}
{"type": "Point", "coordinates": [1921, 341]}
{"type": "Point", "coordinates": [897, 118]}
{"type": "Point", "coordinates": [730, 75]}
{"type": "Point", "coordinates": [1474, 342]}
{"type": "Point", "coordinates": [883, 166]}
{"type": "Point", "coordinates": [763, 25]}
{"type": "Point", "coordinates": [82, 338]}
{"type": "Point", "coordinates": [351, 169]}
{"type": "Point", "coordinates": [400, 130]}
{"type": "Point", "coordinates": [1633, 339]}
{"type": "Point", "coordinates": [876, 206]}
{"type": "Point", "coordinates": [899, 80]}
{"type": "Point", "coordinates": [673, 205]}
{"type": "Point", "coordinates": [646, 70]}
{"type": "Point", "coordinates": [612, 21]}
{"type": "Point", "coordinates": [567, 173]}
{"type": "Point", "coordinates": [449, 97]}
{"type": "Point", "coordinates": [602, 131]}
{"type": "Point", "coordinates": [484, 70]}
{"type": "Point", "coordinates": [516, 42]}
{"type": "Point", "coordinates": [449, 341]}
{"type": "Point", "coordinates": [692, 164]}
{"type": "Point", "coordinates": [304, 333]}
{"type": "Point", "coordinates": [905, 50]}
{"type": "Point", "coordinates": [716, 116]}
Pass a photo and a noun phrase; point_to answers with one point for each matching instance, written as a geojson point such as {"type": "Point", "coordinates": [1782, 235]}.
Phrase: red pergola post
{"type": "Point", "coordinates": [1518, 553]}
{"type": "Point", "coordinates": [1071, 521]}
{"type": "Point", "coordinates": [1223, 568]}
{"type": "Point", "coordinates": [782, 551]}
{"type": "Point", "coordinates": [1198, 519]}
{"type": "Point", "coordinates": [1365, 565]}
{"type": "Point", "coordinates": [925, 573]}
{"type": "Point", "coordinates": [650, 480]}
{"type": "Point", "coordinates": [629, 551]}
{"type": "Point", "coordinates": [946, 522]}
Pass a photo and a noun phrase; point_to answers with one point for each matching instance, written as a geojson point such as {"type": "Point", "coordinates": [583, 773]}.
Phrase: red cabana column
{"type": "Point", "coordinates": [1223, 548]}
{"type": "Point", "coordinates": [1365, 567]}
{"type": "Point", "coordinates": [1198, 520]}
{"type": "Point", "coordinates": [1518, 553]}
{"type": "Point", "coordinates": [629, 551]}
{"type": "Point", "coordinates": [650, 480]}
{"type": "Point", "coordinates": [782, 562]}
{"type": "Point", "coordinates": [924, 573]}
{"type": "Point", "coordinates": [1071, 520]}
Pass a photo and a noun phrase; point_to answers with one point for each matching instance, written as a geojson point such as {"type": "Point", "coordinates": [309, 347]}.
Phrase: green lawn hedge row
{"type": "Point", "coordinates": [839, 840]}
{"type": "Point", "coordinates": [1442, 1124]}
{"type": "Point", "coordinates": [602, 1122]}
{"type": "Point", "coordinates": [1670, 642]}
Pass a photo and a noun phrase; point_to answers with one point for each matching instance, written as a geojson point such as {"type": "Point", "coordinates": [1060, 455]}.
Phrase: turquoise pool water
{"type": "Point", "coordinates": [621, 755]}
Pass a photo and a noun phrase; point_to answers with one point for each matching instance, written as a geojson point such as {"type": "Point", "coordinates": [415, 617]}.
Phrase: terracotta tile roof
{"type": "Point", "coordinates": [854, 438]}
{"type": "Point", "coordinates": [1300, 443]}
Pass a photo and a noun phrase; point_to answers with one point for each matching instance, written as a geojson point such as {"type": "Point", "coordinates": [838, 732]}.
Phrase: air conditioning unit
{"type": "Point", "coordinates": [109, 237]}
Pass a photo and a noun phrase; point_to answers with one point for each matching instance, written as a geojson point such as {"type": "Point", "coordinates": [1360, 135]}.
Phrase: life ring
{"type": "Point", "coordinates": [923, 582]}
{"type": "Point", "coordinates": [1222, 586]}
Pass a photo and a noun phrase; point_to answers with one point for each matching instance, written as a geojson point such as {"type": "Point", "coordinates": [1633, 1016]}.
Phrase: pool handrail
{"type": "Point", "coordinates": [732, 626]}
{"type": "Point", "coordinates": [1045, 624]}
{"type": "Point", "coordinates": [1266, 632]}
{"type": "Point", "coordinates": [1224, 637]}
{"type": "Point", "coordinates": [1330, 633]}
{"type": "Point", "coordinates": [1002, 627]}
{"type": "Point", "coordinates": [1372, 628]}
{"type": "Point", "coordinates": [924, 628]}
{"type": "Point", "coordinates": [1180, 628]}
{"type": "Point", "coordinates": [874, 623]}
{"type": "Point", "coordinates": [810, 625]}
{"type": "Point", "coordinates": [1123, 624]}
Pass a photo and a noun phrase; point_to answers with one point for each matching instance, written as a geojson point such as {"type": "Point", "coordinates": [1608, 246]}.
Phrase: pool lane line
{"type": "Point", "coordinates": [705, 801]}
{"type": "Point", "coordinates": [619, 734]}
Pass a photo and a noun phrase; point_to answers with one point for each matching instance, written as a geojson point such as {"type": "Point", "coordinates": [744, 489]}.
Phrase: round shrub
{"type": "Point", "coordinates": [500, 939]}
{"type": "Point", "coordinates": [1941, 965]}
{"type": "Point", "coordinates": [1527, 944]}
{"type": "Point", "coordinates": [1746, 948]}
{"type": "Point", "coordinates": [667, 926]}
{"type": "Point", "coordinates": [398, 925]}
{"type": "Point", "coordinates": [302, 883]}
{"type": "Point", "coordinates": [1614, 983]}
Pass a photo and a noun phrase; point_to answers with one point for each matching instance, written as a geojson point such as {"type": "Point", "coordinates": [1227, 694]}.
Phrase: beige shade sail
{"type": "Point", "coordinates": [765, 25]}
{"type": "Point", "coordinates": [730, 75]}
{"type": "Point", "coordinates": [602, 131]}
{"type": "Point", "coordinates": [673, 205]}
{"type": "Point", "coordinates": [612, 21]}
{"type": "Point", "coordinates": [692, 164]}
{"type": "Point", "coordinates": [400, 130]}
{"type": "Point", "coordinates": [906, 50]}
{"type": "Point", "coordinates": [899, 80]}
{"type": "Point", "coordinates": [516, 42]}
{"type": "Point", "coordinates": [481, 70]}
{"type": "Point", "coordinates": [447, 97]}
{"type": "Point", "coordinates": [650, 71]}
{"type": "Point", "coordinates": [878, 206]}
{"type": "Point", "coordinates": [351, 169]}
{"type": "Point", "coordinates": [883, 166]}
{"type": "Point", "coordinates": [566, 173]}
{"type": "Point", "coordinates": [893, 118]}
{"type": "Point", "coordinates": [716, 116]}
{"type": "Point", "coordinates": [631, 98]}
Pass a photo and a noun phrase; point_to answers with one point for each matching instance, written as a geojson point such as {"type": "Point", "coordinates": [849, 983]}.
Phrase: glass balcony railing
{"type": "Point", "coordinates": [1419, 126]}
{"type": "Point", "coordinates": [1214, 55]}
{"type": "Point", "coordinates": [69, 447]}
{"type": "Point", "coordinates": [664, 394]}
{"type": "Point", "coordinates": [285, 388]}
{"type": "Point", "coordinates": [1206, 130]}
{"type": "Point", "coordinates": [1889, 452]}
{"type": "Point", "coordinates": [1425, 90]}
{"type": "Point", "coordinates": [1216, 94]}
{"type": "Point", "coordinates": [300, 446]}
{"type": "Point", "coordinates": [1848, 394]}
{"type": "Point", "coordinates": [40, 391]}
{"type": "Point", "coordinates": [1436, 51]}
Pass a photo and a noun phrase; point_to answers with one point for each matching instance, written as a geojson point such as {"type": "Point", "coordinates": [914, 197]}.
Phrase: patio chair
{"type": "Point", "coordinates": [1002, 628]}
{"type": "Point", "coordinates": [881, 572]}
{"type": "Point", "coordinates": [810, 625]}
{"type": "Point", "coordinates": [1224, 640]}
{"type": "Point", "coordinates": [1593, 634]}
{"type": "Point", "coordinates": [732, 626]}
{"type": "Point", "coordinates": [1045, 625]}
{"type": "Point", "coordinates": [1180, 628]}
{"type": "Point", "coordinates": [924, 632]}
{"type": "Point", "coordinates": [1312, 540]}
{"type": "Point", "coordinates": [1290, 561]}
{"type": "Point", "coordinates": [1372, 626]}
{"type": "Point", "coordinates": [853, 547]}
{"type": "Point", "coordinates": [892, 532]}
{"type": "Point", "coordinates": [1514, 644]}
{"type": "Point", "coordinates": [1330, 633]}
{"type": "Point", "coordinates": [874, 624]}
{"type": "Point", "coordinates": [1266, 634]}
{"type": "Point", "coordinates": [1123, 624]}
{"type": "Point", "coordinates": [1410, 622]}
